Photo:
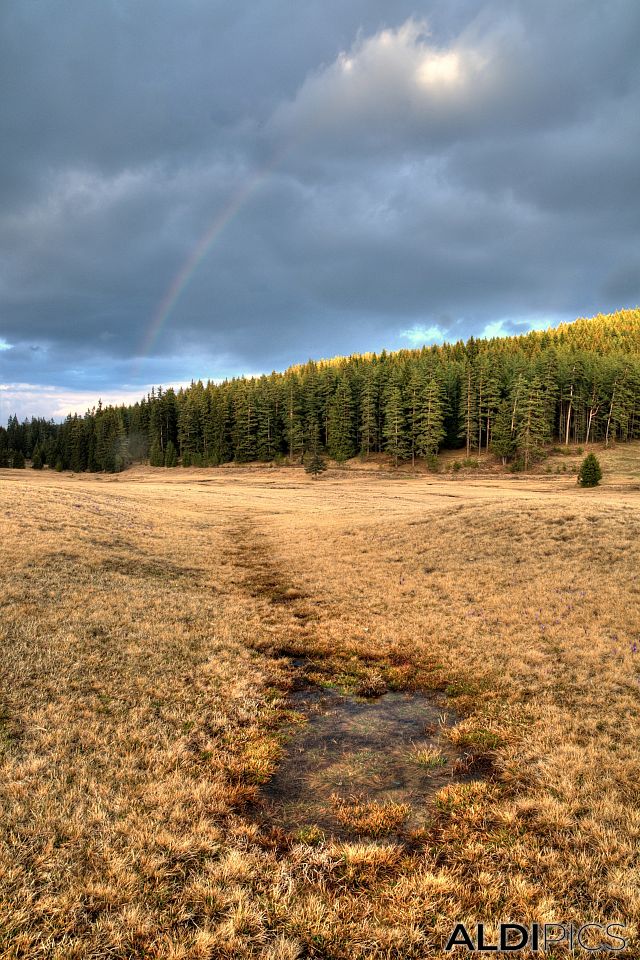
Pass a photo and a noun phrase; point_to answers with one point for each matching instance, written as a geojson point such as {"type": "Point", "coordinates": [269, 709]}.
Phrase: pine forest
{"type": "Point", "coordinates": [575, 383]}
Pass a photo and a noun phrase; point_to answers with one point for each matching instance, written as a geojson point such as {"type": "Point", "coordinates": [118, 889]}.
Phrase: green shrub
{"type": "Point", "coordinates": [590, 473]}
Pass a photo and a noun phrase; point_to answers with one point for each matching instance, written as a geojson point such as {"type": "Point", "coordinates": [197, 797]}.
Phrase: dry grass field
{"type": "Point", "coordinates": [154, 627]}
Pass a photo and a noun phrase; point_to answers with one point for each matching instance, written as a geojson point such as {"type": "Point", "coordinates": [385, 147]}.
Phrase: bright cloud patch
{"type": "Point", "coordinates": [440, 70]}
{"type": "Point", "coordinates": [419, 334]}
{"type": "Point", "coordinates": [397, 80]}
{"type": "Point", "coordinates": [494, 329]}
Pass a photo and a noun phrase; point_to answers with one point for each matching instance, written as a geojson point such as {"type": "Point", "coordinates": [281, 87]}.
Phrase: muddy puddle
{"type": "Point", "coordinates": [359, 768]}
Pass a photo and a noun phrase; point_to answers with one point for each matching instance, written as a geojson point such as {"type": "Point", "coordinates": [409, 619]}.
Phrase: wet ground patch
{"type": "Point", "coordinates": [359, 760]}
{"type": "Point", "coordinates": [362, 768]}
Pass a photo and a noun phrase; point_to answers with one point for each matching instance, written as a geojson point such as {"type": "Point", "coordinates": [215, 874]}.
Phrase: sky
{"type": "Point", "coordinates": [212, 188]}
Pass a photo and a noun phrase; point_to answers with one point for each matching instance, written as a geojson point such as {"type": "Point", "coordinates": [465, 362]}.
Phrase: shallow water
{"type": "Point", "coordinates": [388, 751]}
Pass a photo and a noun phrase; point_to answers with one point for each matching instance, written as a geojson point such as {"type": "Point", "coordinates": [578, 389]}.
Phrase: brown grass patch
{"type": "Point", "coordinates": [147, 627]}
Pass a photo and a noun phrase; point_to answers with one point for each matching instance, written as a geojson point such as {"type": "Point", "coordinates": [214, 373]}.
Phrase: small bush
{"type": "Point", "coordinates": [590, 473]}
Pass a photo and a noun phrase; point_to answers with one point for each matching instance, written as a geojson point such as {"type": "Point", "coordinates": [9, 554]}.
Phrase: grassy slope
{"type": "Point", "coordinates": [143, 696]}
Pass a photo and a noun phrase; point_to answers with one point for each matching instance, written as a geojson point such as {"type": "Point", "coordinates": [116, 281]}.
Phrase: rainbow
{"type": "Point", "coordinates": [198, 254]}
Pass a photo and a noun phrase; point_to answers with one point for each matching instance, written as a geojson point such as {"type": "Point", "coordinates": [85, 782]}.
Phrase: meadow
{"type": "Point", "coordinates": [156, 626]}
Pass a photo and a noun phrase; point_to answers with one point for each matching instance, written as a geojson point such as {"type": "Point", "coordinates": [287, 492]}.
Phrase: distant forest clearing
{"type": "Point", "coordinates": [161, 631]}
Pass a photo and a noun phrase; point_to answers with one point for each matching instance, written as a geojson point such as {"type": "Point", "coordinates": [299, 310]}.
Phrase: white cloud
{"type": "Point", "coordinates": [440, 70]}
{"type": "Point", "coordinates": [540, 323]}
{"type": "Point", "coordinates": [31, 400]}
{"type": "Point", "coordinates": [396, 85]}
{"type": "Point", "coordinates": [509, 326]}
{"type": "Point", "coordinates": [4, 345]}
{"type": "Point", "coordinates": [494, 329]}
{"type": "Point", "coordinates": [419, 334]}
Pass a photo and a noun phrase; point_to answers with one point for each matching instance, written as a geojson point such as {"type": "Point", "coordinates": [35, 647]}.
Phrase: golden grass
{"type": "Point", "coordinates": [144, 621]}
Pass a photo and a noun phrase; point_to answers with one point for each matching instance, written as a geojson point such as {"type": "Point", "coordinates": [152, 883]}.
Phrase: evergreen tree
{"type": "Point", "coordinates": [488, 399]}
{"type": "Point", "coordinates": [340, 426]}
{"type": "Point", "coordinates": [156, 456]}
{"type": "Point", "coordinates": [503, 442]}
{"type": "Point", "coordinates": [218, 429]}
{"type": "Point", "coordinates": [468, 410]}
{"type": "Point", "coordinates": [368, 406]}
{"type": "Point", "coordinates": [138, 431]}
{"type": "Point", "coordinates": [15, 434]}
{"type": "Point", "coordinates": [569, 395]}
{"type": "Point", "coordinates": [268, 434]}
{"type": "Point", "coordinates": [315, 463]}
{"type": "Point", "coordinates": [245, 421]}
{"type": "Point", "coordinates": [394, 429]}
{"type": "Point", "coordinates": [451, 396]}
{"type": "Point", "coordinates": [431, 430]}
{"type": "Point", "coordinates": [36, 459]}
{"type": "Point", "coordinates": [416, 387]}
{"type": "Point", "coordinates": [190, 419]}
{"type": "Point", "coordinates": [532, 428]}
{"type": "Point", "coordinates": [549, 379]}
{"type": "Point", "coordinates": [76, 445]}
{"type": "Point", "coordinates": [619, 409]}
{"type": "Point", "coordinates": [293, 427]}
{"type": "Point", "coordinates": [170, 455]}
{"type": "Point", "coordinates": [110, 452]}
{"type": "Point", "coordinates": [517, 393]}
{"type": "Point", "coordinates": [590, 471]}
{"type": "Point", "coordinates": [18, 460]}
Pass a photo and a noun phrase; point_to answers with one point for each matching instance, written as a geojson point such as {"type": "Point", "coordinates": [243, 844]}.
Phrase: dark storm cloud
{"type": "Point", "coordinates": [382, 172]}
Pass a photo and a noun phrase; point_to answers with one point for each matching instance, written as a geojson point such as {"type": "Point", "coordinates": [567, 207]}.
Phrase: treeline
{"type": "Point", "coordinates": [26, 440]}
{"type": "Point", "coordinates": [579, 382]}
